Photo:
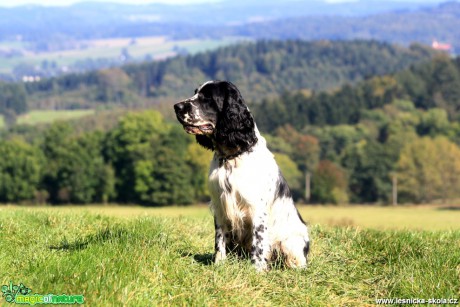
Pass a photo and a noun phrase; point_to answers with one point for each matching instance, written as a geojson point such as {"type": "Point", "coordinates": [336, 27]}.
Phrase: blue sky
{"type": "Point", "coordinates": [67, 2]}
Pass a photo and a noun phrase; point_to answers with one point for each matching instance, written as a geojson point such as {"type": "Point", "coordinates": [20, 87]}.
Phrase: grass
{"type": "Point", "coordinates": [48, 116]}
{"type": "Point", "coordinates": [137, 257]}
{"type": "Point", "coordinates": [375, 217]}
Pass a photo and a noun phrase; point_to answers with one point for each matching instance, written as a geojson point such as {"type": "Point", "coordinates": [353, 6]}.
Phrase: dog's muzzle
{"type": "Point", "coordinates": [184, 115]}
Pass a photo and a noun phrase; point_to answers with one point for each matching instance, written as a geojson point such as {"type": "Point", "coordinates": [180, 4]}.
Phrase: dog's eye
{"type": "Point", "coordinates": [203, 97]}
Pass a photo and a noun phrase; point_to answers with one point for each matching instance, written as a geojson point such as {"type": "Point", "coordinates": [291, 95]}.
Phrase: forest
{"type": "Point", "coordinates": [262, 69]}
{"type": "Point", "coordinates": [354, 132]}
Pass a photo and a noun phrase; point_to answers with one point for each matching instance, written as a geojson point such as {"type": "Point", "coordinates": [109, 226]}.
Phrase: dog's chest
{"type": "Point", "coordinates": [228, 186]}
{"type": "Point", "coordinates": [229, 198]}
{"type": "Point", "coordinates": [247, 179]}
{"type": "Point", "coordinates": [221, 178]}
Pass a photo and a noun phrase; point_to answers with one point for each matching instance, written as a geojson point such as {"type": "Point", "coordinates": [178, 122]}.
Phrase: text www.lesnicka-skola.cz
{"type": "Point", "coordinates": [436, 301]}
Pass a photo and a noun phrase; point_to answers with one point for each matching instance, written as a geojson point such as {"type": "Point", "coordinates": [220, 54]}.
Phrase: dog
{"type": "Point", "coordinates": [254, 213]}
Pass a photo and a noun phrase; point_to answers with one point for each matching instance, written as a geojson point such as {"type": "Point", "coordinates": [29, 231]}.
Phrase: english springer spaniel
{"type": "Point", "coordinates": [254, 213]}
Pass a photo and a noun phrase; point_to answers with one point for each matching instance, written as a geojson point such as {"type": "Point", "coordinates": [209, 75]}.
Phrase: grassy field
{"type": "Point", "coordinates": [48, 116]}
{"type": "Point", "coordinates": [123, 256]}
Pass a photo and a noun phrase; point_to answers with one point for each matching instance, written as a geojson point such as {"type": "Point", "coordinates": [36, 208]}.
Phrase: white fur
{"type": "Point", "coordinates": [243, 196]}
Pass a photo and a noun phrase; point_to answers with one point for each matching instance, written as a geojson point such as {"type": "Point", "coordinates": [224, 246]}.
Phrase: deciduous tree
{"type": "Point", "coordinates": [429, 169]}
{"type": "Point", "coordinates": [20, 171]}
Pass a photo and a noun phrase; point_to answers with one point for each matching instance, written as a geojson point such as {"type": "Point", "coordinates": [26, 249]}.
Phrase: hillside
{"type": "Point", "coordinates": [403, 27]}
{"type": "Point", "coordinates": [51, 41]}
{"type": "Point", "coordinates": [90, 20]}
{"type": "Point", "coordinates": [434, 84]}
{"type": "Point", "coordinates": [261, 70]}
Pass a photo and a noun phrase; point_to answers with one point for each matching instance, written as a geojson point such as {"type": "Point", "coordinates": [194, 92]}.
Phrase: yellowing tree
{"type": "Point", "coordinates": [199, 159]}
{"type": "Point", "coordinates": [429, 169]}
{"type": "Point", "coordinates": [290, 172]}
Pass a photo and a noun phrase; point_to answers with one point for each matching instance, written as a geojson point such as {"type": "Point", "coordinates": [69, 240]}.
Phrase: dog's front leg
{"type": "Point", "coordinates": [260, 242]}
{"type": "Point", "coordinates": [219, 246]}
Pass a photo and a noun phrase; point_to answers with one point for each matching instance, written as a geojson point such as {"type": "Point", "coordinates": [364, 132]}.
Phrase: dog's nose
{"type": "Point", "coordinates": [179, 107]}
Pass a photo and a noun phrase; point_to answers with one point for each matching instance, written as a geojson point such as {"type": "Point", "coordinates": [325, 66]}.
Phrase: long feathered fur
{"type": "Point", "coordinates": [254, 213]}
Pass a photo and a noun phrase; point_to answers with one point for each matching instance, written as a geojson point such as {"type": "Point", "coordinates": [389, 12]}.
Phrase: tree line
{"type": "Point", "coordinates": [144, 159]}
{"type": "Point", "coordinates": [360, 137]}
{"type": "Point", "coordinates": [358, 162]}
{"type": "Point", "coordinates": [352, 142]}
{"type": "Point", "coordinates": [434, 84]}
{"type": "Point", "coordinates": [262, 69]}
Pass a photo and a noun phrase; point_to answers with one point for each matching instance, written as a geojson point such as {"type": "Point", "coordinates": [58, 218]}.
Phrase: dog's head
{"type": "Point", "coordinates": [218, 116]}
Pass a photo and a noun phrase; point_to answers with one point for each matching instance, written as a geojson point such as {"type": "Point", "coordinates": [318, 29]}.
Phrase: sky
{"type": "Point", "coordinates": [9, 3]}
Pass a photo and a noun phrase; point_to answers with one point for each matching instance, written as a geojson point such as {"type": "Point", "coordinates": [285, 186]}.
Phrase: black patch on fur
{"type": "Point", "coordinates": [260, 228]}
{"type": "Point", "coordinates": [256, 252]}
{"type": "Point", "coordinates": [282, 188]}
{"type": "Point", "coordinates": [235, 124]}
{"type": "Point", "coordinates": [306, 249]}
{"type": "Point", "coordinates": [204, 141]}
{"type": "Point", "coordinates": [218, 236]}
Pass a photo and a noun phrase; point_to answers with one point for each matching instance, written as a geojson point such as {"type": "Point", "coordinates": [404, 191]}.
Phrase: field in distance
{"type": "Point", "coordinates": [138, 49]}
{"type": "Point", "coordinates": [424, 217]}
{"type": "Point", "coordinates": [48, 116]}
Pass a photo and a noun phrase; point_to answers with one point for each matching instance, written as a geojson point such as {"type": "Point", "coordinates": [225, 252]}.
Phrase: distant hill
{"type": "Point", "coordinates": [424, 25]}
{"type": "Point", "coordinates": [393, 21]}
{"type": "Point", "coordinates": [50, 41]}
{"type": "Point", "coordinates": [261, 70]}
{"type": "Point", "coordinates": [96, 20]}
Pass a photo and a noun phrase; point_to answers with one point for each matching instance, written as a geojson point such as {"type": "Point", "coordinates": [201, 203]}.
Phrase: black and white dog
{"type": "Point", "coordinates": [254, 213]}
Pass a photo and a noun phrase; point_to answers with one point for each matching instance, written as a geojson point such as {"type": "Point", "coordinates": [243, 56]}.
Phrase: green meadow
{"type": "Point", "coordinates": [136, 256]}
{"type": "Point", "coordinates": [48, 116]}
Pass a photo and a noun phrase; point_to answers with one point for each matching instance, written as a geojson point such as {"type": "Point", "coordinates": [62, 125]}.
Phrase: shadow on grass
{"type": "Point", "coordinates": [100, 237]}
{"type": "Point", "coordinates": [64, 245]}
{"type": "Point", "coordinates": [449, 208]}
{"type": "Point", "coordinates": [204, 259]}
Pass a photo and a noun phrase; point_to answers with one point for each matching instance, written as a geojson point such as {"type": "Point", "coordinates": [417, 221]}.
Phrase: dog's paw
{"type": "Point", "coordinates": [261, 266]}
{"type": "Point", "coordinates": [219, 257]}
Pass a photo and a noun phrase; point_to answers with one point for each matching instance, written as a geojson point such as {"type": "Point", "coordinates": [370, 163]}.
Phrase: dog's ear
{"type": "Point", "coordinates": [218, 92]}
{"type": "Point", "coordinates": [219, 95]}
{"type": "Point", "coordinates": [204, 141]}
{"type": "Point", "coordinates": [235, 124]}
